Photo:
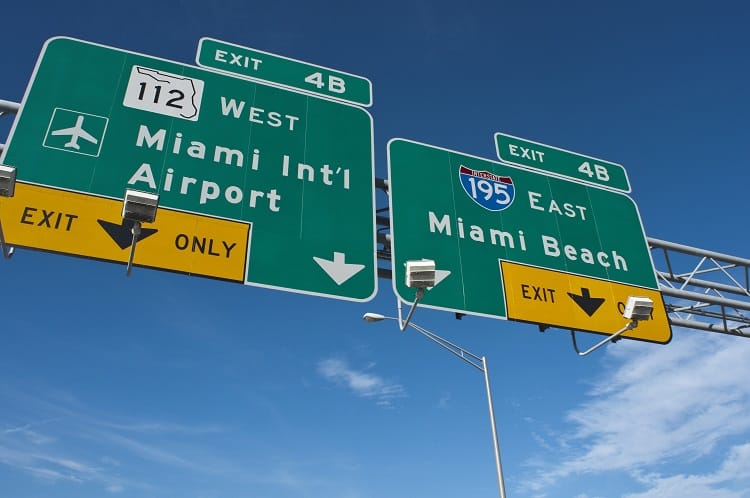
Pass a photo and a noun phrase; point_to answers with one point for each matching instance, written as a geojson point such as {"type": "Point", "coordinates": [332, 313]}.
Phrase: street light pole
{"type": "Point", "coordinates": [495, 442]}
{"type": "Point", "coordinates": [478, 362]}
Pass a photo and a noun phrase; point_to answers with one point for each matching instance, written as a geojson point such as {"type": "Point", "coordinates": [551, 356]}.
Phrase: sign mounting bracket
{"type": "Point", "coordinates": [612, 338]}
{"type": "Point", "coordinates": [138, 207]}
{"type": "Point", "coordinates": [6, 249]}
{"type": "Point", "coordinates": [136, 233]}
{"type": "Point", "coordinates": [7, 189]}
{"type": "Point", "coordinates": [402, 324]}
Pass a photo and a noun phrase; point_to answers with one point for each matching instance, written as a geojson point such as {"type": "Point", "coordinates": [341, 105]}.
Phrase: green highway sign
{"type": "Point", "coordinates": [289, 174]}
{"type": "Point", "coordinates": [522, 152]}
{"type": "Point", "coordinates": [478, 219]}
{"type": "Point", "coordinates": [275, 69]}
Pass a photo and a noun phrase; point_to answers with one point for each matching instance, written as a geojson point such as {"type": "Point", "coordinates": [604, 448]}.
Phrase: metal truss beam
{"type": "Point", "coordinates": [695, 284]}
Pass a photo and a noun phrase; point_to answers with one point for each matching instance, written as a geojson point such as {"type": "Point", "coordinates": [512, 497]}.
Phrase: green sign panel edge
{"type": "Point", "coordinates": [372, 257]}
{"type": "Point", "coordinates": [399, 272]}
{"type": "Point", "coordinates": [246, 61]}
{"type": "Point", "coordinates": [556, 172]}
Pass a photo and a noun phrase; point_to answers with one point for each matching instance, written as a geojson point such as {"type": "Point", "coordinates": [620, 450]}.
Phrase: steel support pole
{"type": "Point", "coordinates": [495, 442]}
{"type": "Point", "coordinates": [480, 363]}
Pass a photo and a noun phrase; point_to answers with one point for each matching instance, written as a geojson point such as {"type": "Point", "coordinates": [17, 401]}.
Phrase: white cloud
{"type": "Point", "coordinates": [47, 466]}
{"type": "Point", "coordinates": [362, 383]}
{"type": "Point", "coordinates": [62, 446]}
{"type": "Point", "coordinates": [160, 428]}
{"type": "Point", "coordinates": [659, 405]}
{"type": "Point", "coordinates": [32, 436]}
{"type": "Point", "coordinates": [682, 486]}
{"type": "Point", "coordinates": [726, 482]}
{"type": "Point", "coordinates": [736, 465]}
{"type": "Point", "coordinates": [444, 401]}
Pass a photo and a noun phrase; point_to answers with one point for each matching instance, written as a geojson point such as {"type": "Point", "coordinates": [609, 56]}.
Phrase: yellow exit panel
{"type": "Point", "coordinates": [580, 303]}
{"type": "Point", "coordinates": [85, 225]}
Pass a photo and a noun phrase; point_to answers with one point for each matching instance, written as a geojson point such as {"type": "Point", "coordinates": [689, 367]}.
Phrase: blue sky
{"type": "Point", "coordinates": [207, 389]}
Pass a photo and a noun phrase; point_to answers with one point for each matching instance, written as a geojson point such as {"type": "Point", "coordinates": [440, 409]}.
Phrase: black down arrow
{"type": "Point", "coordinates": [122, 233]}
{"type": "Point", "coordinates": [587, 303]}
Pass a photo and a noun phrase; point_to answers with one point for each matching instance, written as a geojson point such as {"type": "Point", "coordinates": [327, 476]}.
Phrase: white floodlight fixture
{"type": "Point", "coordinates": [420, 273]}
{"type": "Point", "coordinates": [7, 181]}
{"type": "Point", "coordinates": [638, 308]}
{"type": "Point", "coordinates": [138, 207]}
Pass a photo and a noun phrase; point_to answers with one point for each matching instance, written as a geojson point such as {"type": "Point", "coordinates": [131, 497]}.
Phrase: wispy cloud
{"type": "Point", "coordinates": [444, 401]}
{"type": "Point", "coordinates": [361, 383]}
{"type": "Point", "coordinates": [146, 451]}
{"type": "Point", "coordinates": [48, 466]}
{"type": "Point", "coordinates": [660, 405]}
{"type": "Point", "coordinates": [26, 431]}
{"type": "Point", "coordinates": [73, 444]}
{"type": "Point", "coordinates": [159, 428]}
{"type": "Point", "coordinates": [114, 488]}
{"type": "Point", "coordinates": [729, 481]}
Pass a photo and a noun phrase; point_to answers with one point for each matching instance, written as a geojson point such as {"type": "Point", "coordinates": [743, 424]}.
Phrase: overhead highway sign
{"type": "Point", "coordinates": [509, 242]}
{"type": "Point", "coordinates": [285, 177]}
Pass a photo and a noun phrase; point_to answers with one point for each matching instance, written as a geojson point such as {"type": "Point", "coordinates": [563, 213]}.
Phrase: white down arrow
{"type": "Point", "coordinates": [338, 269]}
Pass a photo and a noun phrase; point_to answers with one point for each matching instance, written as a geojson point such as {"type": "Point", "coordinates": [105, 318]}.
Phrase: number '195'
{"type": "Point", "coordinates": [488, 189]}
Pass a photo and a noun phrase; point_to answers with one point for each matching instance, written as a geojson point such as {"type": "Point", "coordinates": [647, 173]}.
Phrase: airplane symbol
{"type": "Point", "coordinates": [75, 133]}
